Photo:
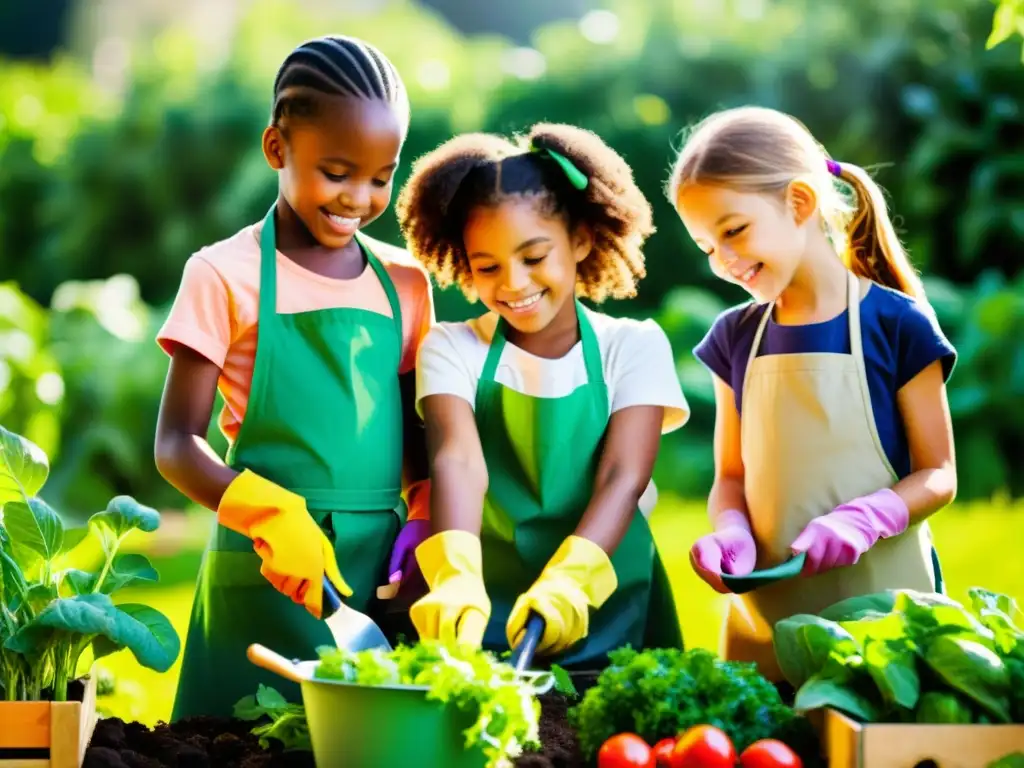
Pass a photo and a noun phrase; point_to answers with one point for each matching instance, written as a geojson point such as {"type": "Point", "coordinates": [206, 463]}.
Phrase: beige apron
{"type": "Point", "coordinates": [809, 443]}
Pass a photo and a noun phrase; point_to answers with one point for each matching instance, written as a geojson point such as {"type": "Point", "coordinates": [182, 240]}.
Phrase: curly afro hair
{"type": "Point", "coordinates": [484, 169]}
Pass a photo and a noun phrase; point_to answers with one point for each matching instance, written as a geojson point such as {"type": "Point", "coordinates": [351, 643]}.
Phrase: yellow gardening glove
{"type": "Point", "coordinates": [296, 553]}
{"type": "Point", "coordinates": [457, 608]}
{"type": "Point", "coordinates": [578, 577]}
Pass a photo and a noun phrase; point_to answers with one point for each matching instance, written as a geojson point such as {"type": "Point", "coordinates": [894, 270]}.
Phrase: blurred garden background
{"type": "Point", "coordinates": [130, 137]}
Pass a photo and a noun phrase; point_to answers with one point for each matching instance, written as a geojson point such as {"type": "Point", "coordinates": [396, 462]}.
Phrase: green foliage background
{"type": "Point", "coordinates": [105, 192]}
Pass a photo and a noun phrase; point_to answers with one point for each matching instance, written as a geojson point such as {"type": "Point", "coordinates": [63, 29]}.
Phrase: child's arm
{"type": "Point", "coordinates": [925, 411]}
{"type": "Point", "coordinates": [457, 606]}
{"type": "Point", "coordinates": [623, 473]}
{"type": "Point", "coordinates": [458, 474]}
{"type": "Point", "coordinates": [730, 547]}
{"type": "Point", "coordinates": [579, 576]}
{"type": "Point", "coordinates": [727, 492]}
{"type": "Point", "coordinates": [416, 468]}
{"type": "Point", "coordinates": [925, 358]}
{"type": "Point", "coordinates": [295, 551]}
{"type": "Point", "coordinates": [183, 455]}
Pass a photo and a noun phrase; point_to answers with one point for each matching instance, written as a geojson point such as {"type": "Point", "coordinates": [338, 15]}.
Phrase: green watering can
{"type": "Point", "coordinates": [361, 726]}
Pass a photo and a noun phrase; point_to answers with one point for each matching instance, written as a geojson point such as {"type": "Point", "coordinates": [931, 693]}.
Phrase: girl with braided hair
{"type": "Point", "coordinates": [543, 417]}
{"type": "Point", "coordinates": [307, 327]}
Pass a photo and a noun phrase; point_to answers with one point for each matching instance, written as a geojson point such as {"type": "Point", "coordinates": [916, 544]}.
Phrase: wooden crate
{"type": "Point", "coordinates": [51, 734]}
{"type": "Point", "coordinates": [849, 744]}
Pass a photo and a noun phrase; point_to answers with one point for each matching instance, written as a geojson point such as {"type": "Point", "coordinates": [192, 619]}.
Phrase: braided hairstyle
{"type": "Point", "coordinates": [335, 65]}
{"type": "Point", "coordinates": [484, 169]}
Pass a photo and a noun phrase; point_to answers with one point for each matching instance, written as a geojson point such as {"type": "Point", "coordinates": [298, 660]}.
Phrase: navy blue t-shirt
{"type": "Point", "coordinates": [900, 339]}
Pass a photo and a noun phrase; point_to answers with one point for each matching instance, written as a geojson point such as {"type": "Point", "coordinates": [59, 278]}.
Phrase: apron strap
{"type": "Point", "coordinates": [592, 358]}
{"type": "Point", "coordinates": [268, 272]}
{"type": "Point", "coordinates": [591, 349]}
{"type": "Point", "coordinates": [494, 351]}
{"type": "Point", "coordinates": [385, 281]}
{"type": "Point", "coordinates": [857, 350]}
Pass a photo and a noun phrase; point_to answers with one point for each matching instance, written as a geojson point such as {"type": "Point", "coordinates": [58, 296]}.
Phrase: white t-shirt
{"type": "Point", "coordinates": [636, 358]}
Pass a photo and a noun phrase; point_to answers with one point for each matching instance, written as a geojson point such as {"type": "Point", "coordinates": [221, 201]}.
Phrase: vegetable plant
{"type": "Point", "coordinates": [906, 656]}
{"type": "Point", "coordinates": [287, 721]}
{"type": "Point", "coordinates": [662, 693]}
{"type": "Point", "coordinates": [55, 596]}
{"type": "Point", "coordinates": [503, 706]}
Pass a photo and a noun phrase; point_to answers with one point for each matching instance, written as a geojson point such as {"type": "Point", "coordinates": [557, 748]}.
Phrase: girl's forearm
{"type": "Point", "coordinates": [926, 491]}
{"type": "Point", "coordinates": [190, 464]}
{"type": "Point", "coordinates": [727, 494]}
{"type": "Point", "coordinates": [457, 491]}
{"type": "Point", "coordinates": [616, 494]}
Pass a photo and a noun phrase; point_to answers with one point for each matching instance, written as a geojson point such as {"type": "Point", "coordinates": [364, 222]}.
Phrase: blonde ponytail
{"type": "Point", "coordinates": [756, 149]}
{"type": "Point", "coordinates": [873, 249]}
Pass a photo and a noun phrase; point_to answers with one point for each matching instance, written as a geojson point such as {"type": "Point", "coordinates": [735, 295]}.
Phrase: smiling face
{"type": "Point", "coordinates": [523, 262]}
{"type": "Point", "coordinates": [336, 169]}
{"type": "Point", "coordinates": [753, 240]}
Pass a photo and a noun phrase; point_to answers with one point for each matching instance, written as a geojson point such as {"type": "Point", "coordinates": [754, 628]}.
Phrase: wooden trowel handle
{"type": "Point", "coordinates": [273, 662]}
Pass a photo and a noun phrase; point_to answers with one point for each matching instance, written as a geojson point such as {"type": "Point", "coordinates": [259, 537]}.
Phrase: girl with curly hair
{"type": "Point", "coordinates": [543, 417]}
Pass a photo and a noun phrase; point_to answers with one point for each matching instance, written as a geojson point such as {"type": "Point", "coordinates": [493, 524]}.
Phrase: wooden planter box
{"type": "Point", "coordinates": [48, 734]}
{"type": "Point", "coordinates": [849, 744]}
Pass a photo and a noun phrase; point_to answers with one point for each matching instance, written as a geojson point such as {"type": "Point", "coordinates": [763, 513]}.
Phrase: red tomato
{"type": "Point", "coordinates": [663, 753]}
{"type": "Point", "coordinates": [625, 750]}
{"type": "Point", "coordinates": [769, 753]}
{"type": "Point", "coordinates": [704, 746]}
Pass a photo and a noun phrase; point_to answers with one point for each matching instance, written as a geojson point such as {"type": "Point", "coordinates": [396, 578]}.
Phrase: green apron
{"type": "Point", "coordinates": [542, 455]}
{"type": "Point", "coordinates": [324, 420]}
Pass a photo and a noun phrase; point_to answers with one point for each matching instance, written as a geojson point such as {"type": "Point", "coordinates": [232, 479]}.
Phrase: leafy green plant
{"type": "Point", "coordinates": [287, 721]}
{"type": "Point", "coordinates": [505, 711]}
{"type": "Point", "coordinates": [52, 612]}
{"type": "Point", "coordinates": [1012, 760]}
{"type": "Point", "coordinates": [660, 693]}
{"type": "Point", "coordinates": [906, 656]}
{"type": "Point", "coordinates": [1007, 21]}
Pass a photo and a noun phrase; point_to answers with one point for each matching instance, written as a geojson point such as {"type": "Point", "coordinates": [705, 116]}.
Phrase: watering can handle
{"type": "Point", "coordinates": [273, 662]}
{"type": "Point", "coordinates": [523, 654]}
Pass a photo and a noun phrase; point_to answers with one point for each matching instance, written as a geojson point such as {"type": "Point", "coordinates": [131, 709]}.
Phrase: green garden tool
{"type": "Point", "coordinates": [757, 579]}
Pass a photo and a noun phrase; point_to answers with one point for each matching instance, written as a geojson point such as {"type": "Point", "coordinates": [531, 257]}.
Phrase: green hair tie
{"type": "Point", "coordinates": [574, 174]}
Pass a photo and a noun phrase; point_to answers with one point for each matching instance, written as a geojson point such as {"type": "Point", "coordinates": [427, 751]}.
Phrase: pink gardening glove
{"type": "Point", "coordinates": [730, 548]}
{"type": "Point", "coordinates": [403, 561]}
{"type": "Point", "coordinates": [839, 538]}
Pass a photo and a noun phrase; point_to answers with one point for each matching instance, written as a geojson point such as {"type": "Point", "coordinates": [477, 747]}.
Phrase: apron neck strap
{"type": "Point", "coordinates": [591, 350]}
{"type": "Point", "coordinates": [385, 280]}
{"type": "Point", "coordinates": [853, 317]}
{"type": "Point", "coordinates": [268, 271]}
{"type": "Point", "coordinates": [853, 309]}
{"type": "Point", "coordinates": [268, 274]}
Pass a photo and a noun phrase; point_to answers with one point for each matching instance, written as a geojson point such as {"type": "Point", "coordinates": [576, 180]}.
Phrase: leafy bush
{"type": "Point", "coordinates": [660, 693]}
{"type": "Point", "coordinates": [905, 656]}
{"type": "Point", "coordinates": [51, 611]}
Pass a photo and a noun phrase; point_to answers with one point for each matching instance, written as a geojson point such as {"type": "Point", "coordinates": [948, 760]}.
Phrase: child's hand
{"type": "Point", "coordinates": [839, 538]}
{"type": "Point", "coordinates": [730, 549]}
{"type": "Point", "coordinates": [456, 609]}
{"type": "Point", "coordinates": [403, 564]}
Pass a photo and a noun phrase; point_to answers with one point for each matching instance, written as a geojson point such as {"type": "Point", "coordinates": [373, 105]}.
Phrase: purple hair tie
{"type": "Point", "coordinates": [833, 167]}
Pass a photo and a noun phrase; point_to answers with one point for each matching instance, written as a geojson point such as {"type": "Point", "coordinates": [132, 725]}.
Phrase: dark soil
{"type": "Point", "coordinates": [558, 741]}
{"type": "Point", "coordinates": [200, 742]}
{"type": "Point", "coordinates": [208, 742]}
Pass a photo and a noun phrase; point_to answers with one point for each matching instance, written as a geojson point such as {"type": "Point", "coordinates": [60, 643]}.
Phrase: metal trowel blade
{"type": "Point", "coordinates": [351, 630]}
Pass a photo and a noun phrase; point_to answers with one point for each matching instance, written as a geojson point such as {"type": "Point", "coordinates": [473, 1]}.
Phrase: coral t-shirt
{"type": "Point", "coordinates": [216, 308]}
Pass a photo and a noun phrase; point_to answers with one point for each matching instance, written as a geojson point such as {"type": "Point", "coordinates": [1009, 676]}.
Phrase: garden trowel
{"type": "Point", "coordinates": [352, 630]}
